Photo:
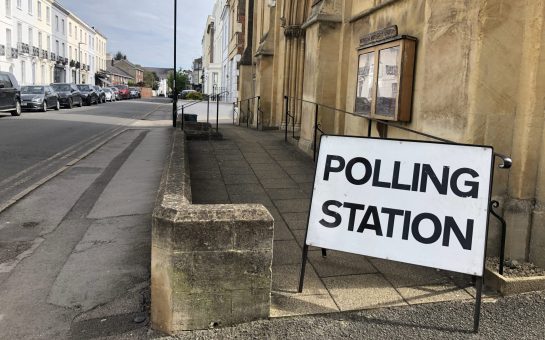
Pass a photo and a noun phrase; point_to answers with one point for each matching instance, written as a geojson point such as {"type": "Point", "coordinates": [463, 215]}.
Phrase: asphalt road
{"type": "Point", "coordinates": [37, 144]}
{"type": "Point", "coordinates": [75, 218]}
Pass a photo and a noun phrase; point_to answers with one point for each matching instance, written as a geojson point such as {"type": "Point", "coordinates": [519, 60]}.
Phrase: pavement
{"type": "Point", "coordinates": [75, 250]}
{"type": "Point", "coordinates": [345, 295]}
{"type": "Point", "coordinates": [250, 166]}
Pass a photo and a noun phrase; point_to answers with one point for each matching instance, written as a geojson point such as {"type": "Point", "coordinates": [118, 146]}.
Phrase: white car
{"type": "Point", "coordinates": [109, 95]}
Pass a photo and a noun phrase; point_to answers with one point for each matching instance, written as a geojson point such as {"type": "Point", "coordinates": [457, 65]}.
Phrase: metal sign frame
{"type": "Point", "coordinates": [478, 279]}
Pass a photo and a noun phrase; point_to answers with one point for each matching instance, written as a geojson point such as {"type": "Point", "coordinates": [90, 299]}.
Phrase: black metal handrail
{"type": "Point", "coordinates": [248, 111]}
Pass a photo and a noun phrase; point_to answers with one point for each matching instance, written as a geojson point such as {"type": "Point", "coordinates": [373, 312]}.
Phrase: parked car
{"type": "Point", "coordinates": [101, 94]}
{"type": "Point", "coordinates": [115, 90]}
{"type": "Point", "coordinates": [10, 94]}
{"type": "Point", "coordinates": [39, 97]}
{"type": "Point", "coordinates": [109, 95]}
{"type": "Point", "coordinates": [133, 91]}
{"type": "Point", "coordinates": [69, 94]}
{"type": "Point", "coordinates": [123, 91]}
{"type": "Point", "coordinates": [88, 93]}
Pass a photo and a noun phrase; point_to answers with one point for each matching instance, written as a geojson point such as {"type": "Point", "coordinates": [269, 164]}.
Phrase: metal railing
{"type": "Point", "coordinates": [382, 126]}
{"type": "Point", "coordinates": [248, 103]}
{"type": "Point", "coordinates": [216, 97]}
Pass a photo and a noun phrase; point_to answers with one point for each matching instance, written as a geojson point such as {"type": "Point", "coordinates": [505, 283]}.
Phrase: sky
{"type": "Point", "coordinates": [144, 29]}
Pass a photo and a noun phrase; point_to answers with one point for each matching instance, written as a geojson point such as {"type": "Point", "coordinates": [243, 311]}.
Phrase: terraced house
{"type": "Point", "coordinates": [42, 42]}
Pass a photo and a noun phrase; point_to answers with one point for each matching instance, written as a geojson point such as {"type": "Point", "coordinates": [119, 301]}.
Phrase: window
{"type": "Point", "coordinates": [57, 47]}
{"type": "Point", "coordinates": [70, 29]}
{"type": "Point", "coordinates": [48, 43]}
{"type": "Point", "coordinates": [19, 32]}
{"type": "Point", "coordinates": [30, 7]}
{"type": "Point", "coordinates": [39, 10]}
{"type": "Point", "coordinates": [63, 50]}
{"type": "Point", "coordinates": [30, 34]}
{"type": "Point", "coordinates": [62, 25]}
{"type": "Point", "coordinates": [8, 39]}
{"type": "Point", "coordinates": [19, 3]}
{"type": "Point", "coordinates": [70, 52]}
{"type": "Point", "coordinates": [385, 80]}
{"type": "Point", "coordinates": [40, 40]}
{"type": "Point", "coordinates": [57, 22]}
{"type": "Point", "coordinates": [8, 7]}
{"type": "Point", "coordinates": [48, 15]}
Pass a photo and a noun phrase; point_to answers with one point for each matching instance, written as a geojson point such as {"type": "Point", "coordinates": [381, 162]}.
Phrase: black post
{"type": "Point", "coordinates": [183, 117]}
{"type": "Point", "coordinates": [315, 131]}
{"type": "Point", "coordinates": [478, 298]}
{"type": "Point", "coordinates": [217, 113]}
{"type": "Point", "coordinates": [286, 113]}
{"type": "Point", "coordinates": [248, 114]}
{"type": "Point", "coordinates": [369, 125]}
{"type": "Point", "coordinates": [234, 107]}
{"type": "Point", "coordinates": [175, 93]}
{"type": "Point", "coordinates": [258, 112]}
{"type": "Point", "coordinates": [303, 267]}
{"type": "Point", "coordinates": [208, 109]}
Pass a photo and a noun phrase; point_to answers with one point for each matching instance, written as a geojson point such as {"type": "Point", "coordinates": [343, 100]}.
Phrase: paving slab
{"type": "Point", "coordinates": [407, 275]}
{"type": "Point", "coordinates": [433, 293]}
{"type": "Point", "coordinates": [299, 205]}
{"type": "Point", "coordinates": [362, 292]}
{"type": "Point", "coordinates": [337, 263]}
{"type": "Point", "coordinates": [286, 252]}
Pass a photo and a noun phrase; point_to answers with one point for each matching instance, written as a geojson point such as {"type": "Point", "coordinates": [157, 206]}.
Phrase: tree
{"type": "Point", "coordinates": [120, 56]}
{"type": "Point", "coordinates": [181, 80]}
{"type": "Point", "coordinates": [151, 80]}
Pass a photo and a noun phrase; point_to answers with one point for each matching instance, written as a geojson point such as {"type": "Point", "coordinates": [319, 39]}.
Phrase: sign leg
{"type": "Point", "coordinates": [303, 266]}
{"type": "Point", "coordinates": [324, 252]}
{"type": "Point", "coordinates": [478, 298]}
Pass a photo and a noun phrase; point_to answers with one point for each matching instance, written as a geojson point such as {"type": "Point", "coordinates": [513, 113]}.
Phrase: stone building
{"type": "Point", "coordinates": [479, 78]}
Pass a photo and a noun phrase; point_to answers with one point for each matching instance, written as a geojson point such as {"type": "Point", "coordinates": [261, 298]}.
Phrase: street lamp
{"type": "Point", "coordinates": [175, 93]}
{"type": "Point", "coordinates": [79, 60]}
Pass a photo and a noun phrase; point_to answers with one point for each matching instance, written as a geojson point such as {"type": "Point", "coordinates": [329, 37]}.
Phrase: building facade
{"type": "Point", "coordinates": [135, 71]}
{"type": "Point", "coordinates": [42, 42]}
{"type": "Point", "coordinates": [197, 75]}
{"type": "Point", "coordinates": [478, 78]}
{"type": "Point", "coordinates": [211, 62]}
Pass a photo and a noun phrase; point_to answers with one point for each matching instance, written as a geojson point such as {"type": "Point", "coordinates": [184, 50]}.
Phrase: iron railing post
{"type": "Point", "coordinates": [208, 109]}
{"type": "Point", "coordinates": [183, 117]}
{"type": "Point", "coordinates": [217, 113]}
{"type": "Point", "coordinates": [315, 131]}
{"type": "Point", "coordinates": [286, 113]}
{"type": "Point", "coordinates": [248, 114]}
{"type": "Point", "coordinates": [257, 113]}
{"type": "Point", "coordinates": [234, 106]}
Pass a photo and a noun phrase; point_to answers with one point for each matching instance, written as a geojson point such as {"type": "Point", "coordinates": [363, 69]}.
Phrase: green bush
{"type": "Point", "coordinates": [194, 96]}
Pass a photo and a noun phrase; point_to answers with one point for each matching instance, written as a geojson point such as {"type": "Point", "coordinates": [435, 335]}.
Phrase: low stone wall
{"type": "Point", "coordinates": [211, 264]}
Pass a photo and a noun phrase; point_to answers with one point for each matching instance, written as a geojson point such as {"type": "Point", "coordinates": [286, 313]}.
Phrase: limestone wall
{"type": "Point", "coordinates": [211, 264]}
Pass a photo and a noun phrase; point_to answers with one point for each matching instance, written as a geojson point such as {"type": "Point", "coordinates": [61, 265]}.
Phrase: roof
{"type": "Point", "coordinates": [117, 71]}
{"type": "Point", "coordinates": [128, 63]}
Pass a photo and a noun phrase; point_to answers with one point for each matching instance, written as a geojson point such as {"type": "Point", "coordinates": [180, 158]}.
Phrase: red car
{"type": "Point", "coordinates": [124, 92]}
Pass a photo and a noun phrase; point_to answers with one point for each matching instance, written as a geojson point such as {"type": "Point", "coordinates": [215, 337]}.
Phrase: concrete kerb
{"type": "Point", "coordinates": [211, 264]}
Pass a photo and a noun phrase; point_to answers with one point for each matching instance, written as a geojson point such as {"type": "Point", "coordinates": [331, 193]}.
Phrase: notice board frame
{"type": "Point", "coordinates": [478, 279]}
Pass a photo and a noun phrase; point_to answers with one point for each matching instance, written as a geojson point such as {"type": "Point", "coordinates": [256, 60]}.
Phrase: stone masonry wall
{"type": "Point", "coordinates": [211, 264]}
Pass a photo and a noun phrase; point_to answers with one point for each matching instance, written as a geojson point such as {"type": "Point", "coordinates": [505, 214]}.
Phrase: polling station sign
{"type": "Point", "coordinates": [415, 202]}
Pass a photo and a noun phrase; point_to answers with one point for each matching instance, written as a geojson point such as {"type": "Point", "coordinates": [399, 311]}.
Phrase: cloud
{"type": "Point", "coordinates": [143, 29]}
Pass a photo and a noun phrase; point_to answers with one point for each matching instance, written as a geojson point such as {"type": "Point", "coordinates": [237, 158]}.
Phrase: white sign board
{"type": "Point", "coordinates": [414, 202]}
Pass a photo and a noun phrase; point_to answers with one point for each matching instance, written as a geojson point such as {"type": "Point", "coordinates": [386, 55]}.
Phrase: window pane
{"type": "Point", "coordinates": [366, 68]}
{"type": "Point", "coordinates": [387, 89]}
